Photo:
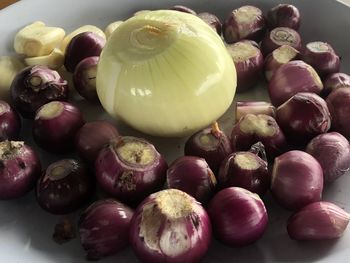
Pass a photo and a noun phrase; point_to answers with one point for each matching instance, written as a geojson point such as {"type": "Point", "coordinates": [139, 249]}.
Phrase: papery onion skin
{"type": "Point", "coordinates": [291, 78]}
{"type": "Point", "coordinates": [284, 15]}
{"type": "Point", "coordinates": [83, 45]}
{"type": "Point", "coordinates": [10, 122]}
{"type": "Point", "coordinates": [278, 37]}
{"type": "Point", "coordinates": [91, 138]}
{"type": "Point", "coordinates": [104, 228]}
{"type": "Point", "coordinates": [335, 81]}
{"type": "Point", "coordinates": [238, 216]}
{"type": "Point", "coordinates": [212, 20]}
{"type": "Point", "coordinates": [246, 22]}
{"type": "Point", "coordinates": [245, 170]}
{"type": "Point", "coordinates": [64, 187]}
{"type": "Point", "coordinates": [302, 117]}
{"type": "Point", "coordinates": [84, 78]}
{"type": "Point", "coordinates": [318, 221]}
{"type": "Point", "coordinates": [297, 180]}
{"type": "Point", "coordinates": [243, 108]}
{"type": "Point", "coordinates": [130, 169]}
{"type": "Point", "coordinates": [212, 144]}
{"type": "Point", "coordinates": [181, 80]}
{"type": "Point", "coordinates": [20, 167]}
{"type": "Point", "coordinates": [339, 107]}
{"type": "Point", "coordinates": [170, 226]}
{"type": "Point", "coordinates": [322, 57]}
{"type": "Point", "coordinates": [332, 151]}
{"type": "Point", "coordinates": [248, 62]}
{"type": "Point", "coordinates": [35, 86]}
{"type": "Point", "coordinates": [55, 126]}
{"type": "Point", "coordinates": [277, 58]}
{"type": "Point", "coordinates": [251, 129]}
{"type": "Point", "coordinates": [193, 176]}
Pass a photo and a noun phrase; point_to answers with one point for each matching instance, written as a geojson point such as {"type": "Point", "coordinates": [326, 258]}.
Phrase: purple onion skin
{"type": "Point", "coordinates": [130, 180]}
{"type": "Point", "coordinates": [10, 122]}
{"type": "Point", "coordinates": [322, 57]}
{"type": "Point", "coordinates": [35, 86]}
{"type": "Point", "coordinates": [235, 30]}
{"type": "Point", "coordinates": [56, 132]}
{"type": "Point", "coordinates": [339, 107]}
{"type": "Point", "coordinates": [318, 221]}
{"type": "Point", "coordinates": [193, 176]}
{"type": "Point", "coordinates": [212, 20]}
{"type": "Point", "coordinates": [170, 226]}
{"type": "Point", "coordinates": [238, 216]}
{"type": "Point", "coordinates": [278, 37]}
{"type": "Point", "coordinates": [332, 151]}
{"type": "Point", "coordinates": [249, 63]}
{"type": "Point", "coordinates": [64, 187]}
{"type": "Point", "coordinates": [303, 117]}
{"type": "Point", "coordinates": [83, 45]}
{"type": "Point", "coordinates": [277, 58]}
{"type": "Point", "coordinates": [297, 180]}
{"type": "Point", "coordinates": [246, 170]}
{"type": "Point", "coordinates": [104, 228]}
{"type": "Point", "coordinates": [212, 144]}
{"type": "Point", "coordinates": [335, 81]}
{"type": "Point", "coordinates": [84, 78]}
{"type": "Point", "coordinates": [184, 9]}
{"type": "Point", "coordinates": [284, 15]}
{"type": "Point", "coordinates": [291, 78]}
{"type": "Point", "coordinates": [251, 129]}
{"type": "Point", "coordinates": [243, 108]}
{"type": "Point", "coordinates": [20, 167]}
{"type": "Point", "coordinates": [91, 138]}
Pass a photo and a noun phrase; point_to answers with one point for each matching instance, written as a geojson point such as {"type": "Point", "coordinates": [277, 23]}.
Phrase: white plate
{"type": "Point", "coordinates": [25, 230]}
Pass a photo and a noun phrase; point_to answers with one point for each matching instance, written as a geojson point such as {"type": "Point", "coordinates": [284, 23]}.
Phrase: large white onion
{"type": "Point", "coordinates": [166, 73]}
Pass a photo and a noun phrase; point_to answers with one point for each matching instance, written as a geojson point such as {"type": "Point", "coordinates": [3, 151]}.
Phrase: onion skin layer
{"type": "Point", "coordinates": [56, 133]}
{"type": "Point", "coordinates": [283, 15]}
{"type": "Point", "coordinates": [64, 187]}
{"type": "Point", "coordinates": [291, 78]}
{"type": "Point", "coordinates": [91, 138]}
{"type": "Point", "coordinates": [246, 170]}
{"type": "Point", "coordinates": [83, 45]}
{"type": "Point", "coordinates": [10, 122]}
{"type": "Point", "coordinates": [35, 86]}
{"type": "Point", "coordinates": [129, 180]}
{"type": "Point", "coordinates": [193, 176]}
{"type": "Point", "coordinates": [302, 117]}
{"type": "Point", "coordinates": [238, 216]}
{"type": "Point", "coordinates": [170, 226]}
{"type": "Point", "coordinates": [20, 168]}
{"type": "Point", "coordinates": [322, 57]}
{"type": "Point", "coordinates": [339, 107]}
{"type": "Point", "coordinates": [332, 151]}
{"type": "Point", "coordinates": [104, 228]}
{"type": "Point", "coordinates": [212, 144]}
{"type": "Point", "coordinates": [236, 27]}
{"type": "Point", "coordinates": [318, 221]}
{"type": "Point", "coordinates": [335, 81]}
{"type": "Point", "coordinates": [278, 37]}
{"type": "Point", "coordinates": [258, 128]}
{"type": "Point", "coordinates": [297, 180]}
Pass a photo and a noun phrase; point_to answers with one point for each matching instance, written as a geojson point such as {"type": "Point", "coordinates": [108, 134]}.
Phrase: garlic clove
{"type": "Point", "coordinates": [54, 60]}
{"type": "Point", "coordinates": [318, 221]}
{"type": "Point", "coordinates": [37, 39]}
